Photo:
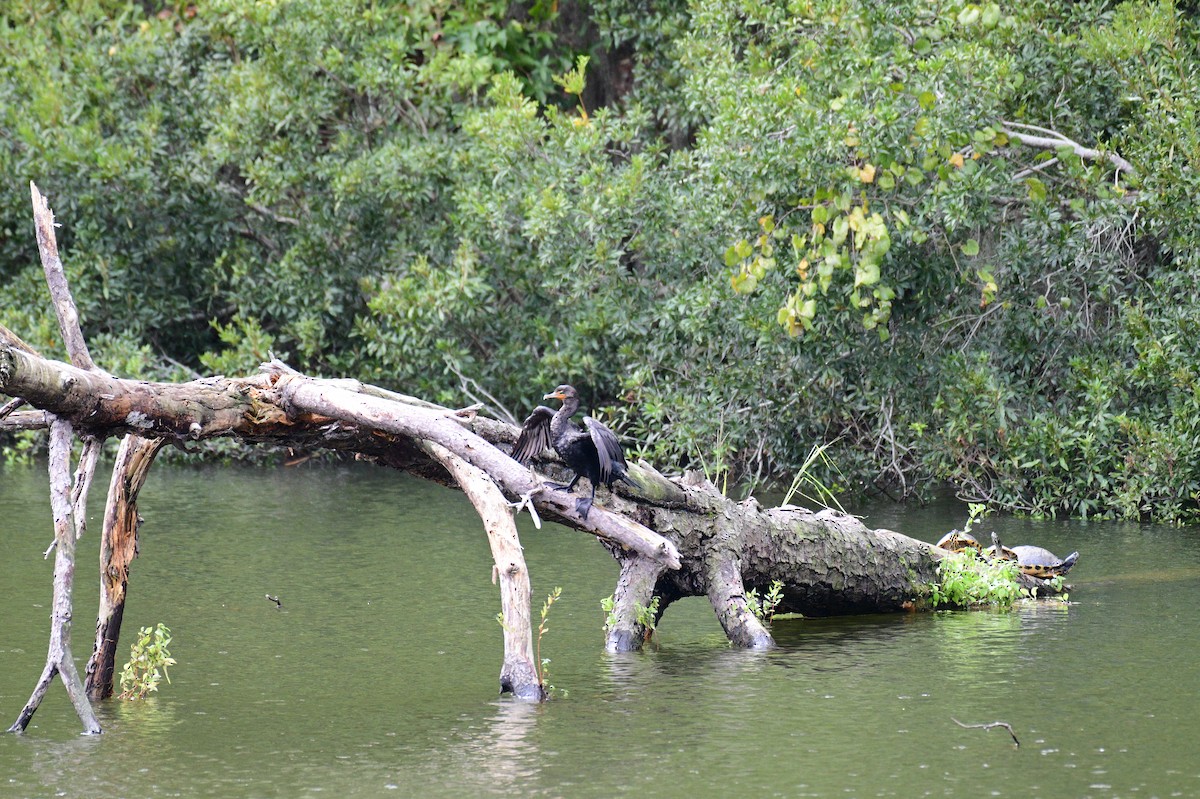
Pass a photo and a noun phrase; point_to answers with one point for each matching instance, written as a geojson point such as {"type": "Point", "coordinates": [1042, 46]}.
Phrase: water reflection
{"type": "Point", "coordinates": [500, 753]}
{"type": "Point", "coordinates": [972, 648]}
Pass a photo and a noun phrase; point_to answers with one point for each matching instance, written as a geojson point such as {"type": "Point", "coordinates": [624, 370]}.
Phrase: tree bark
{"type": "Point", "coordinates": [519, 673]}
{"type": "Point", "coordinates": [299, 395]}
{"type": "Point", "coordinates": [118, 548]}
{"type": "Point", "coordinates": [58, 657]}
{"type": "Point", "coordinates": [829, 563]}
{"type": "Point", "coordinates": [69, 505]}
{"type": "Point", "coordinates": [56, 280]}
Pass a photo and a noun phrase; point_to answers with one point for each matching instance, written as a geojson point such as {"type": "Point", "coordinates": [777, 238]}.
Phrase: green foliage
{"type": "Point", "coordinates": [976, 511]}
{"type": "Point", "coordinates": [764, 607]}
{"type": "Point", "coordinates": [964, 580]}
{"type": "Point", "coordinates": [647, 617]}
{"type": "Point", "coordinates": [544, 663]}
{"type": "Point", "coordinates": [229, 159]}
{"type": "Point", "coordinates": [749, 232]}
{"type": "Point", "coordinates": [247, 346]}
{"type": "Point", "coordinates": [148, 662]}
{"type": "Point", "coordinates": [608, 605]}
{"type": "Point", "coordinates": [808, 485]}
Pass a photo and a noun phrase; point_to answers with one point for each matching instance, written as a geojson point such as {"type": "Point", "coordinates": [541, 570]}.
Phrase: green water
{"type": "Point", "coordinates": [378, 676]}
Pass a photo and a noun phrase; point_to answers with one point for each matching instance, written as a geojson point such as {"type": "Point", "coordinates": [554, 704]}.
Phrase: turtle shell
{"type": "Point", "coordinates": [1043, 563]}
{"type": "Point", "coordinates": [957, 541]}
{"type": "Point", "coordinates": [998, 551]}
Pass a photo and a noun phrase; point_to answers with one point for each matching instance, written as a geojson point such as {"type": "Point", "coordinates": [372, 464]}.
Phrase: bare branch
{"type": "Point", "coordinates": [58, 657]}
{"type": "Point", "coordinates": [118, 548]}
{"type": "Point", "coordinates": [470, 387]}
{"type": "Point", "coordinates": [1024, 173]}
{"type": "Point", "coordinates": [519, 673]}
{"type": "Point", "coordinates": [10, 406]}
{"type": "Point", "coordinates": [1053, 140]}
{"type": "Point", "coordinates": [988, 726]}
{"type": "Point", "coordinates": [25, 420]}
{"type": "Point", "coordinates": [267, 212]}
{"type": "Point", "coordinates": [56, 279]}
{"type": "Point", "coordinates": [92, 447]}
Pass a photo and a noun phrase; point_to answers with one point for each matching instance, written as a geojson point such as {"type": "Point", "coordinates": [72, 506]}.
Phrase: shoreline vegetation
{"type": "Point", "coordinates": [948, 245]}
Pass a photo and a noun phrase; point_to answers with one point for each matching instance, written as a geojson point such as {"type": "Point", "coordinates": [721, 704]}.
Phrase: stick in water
{"type": "Point", "coordinates": [988, 726]}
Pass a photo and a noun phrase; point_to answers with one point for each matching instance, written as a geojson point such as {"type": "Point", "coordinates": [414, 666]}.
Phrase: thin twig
{"type": "Point", "coordinates": [92, 448]}
{"type": "Point", "coordinates": [470, 386]}
{"type": "Point", "coordinates": [1024, 173]}
{"type": "Point", "coordinates": [988, 726]}
{"type": "Point", "coordinates": [526, 502]}
{"type": "Point", "coordinates": [56, 279]}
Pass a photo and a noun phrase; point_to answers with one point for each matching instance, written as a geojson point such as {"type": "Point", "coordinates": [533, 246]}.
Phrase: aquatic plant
{"type": "Point", "coordinates": [543, 628]}
{"type": "Point", "coordinates": [964, 580]}
{"type": "Point", "coordinates": [645, 615]}
{"type": "Point", "coordinates": [764, 607]}
{"type": "Point", "coordinates": [148, 662]}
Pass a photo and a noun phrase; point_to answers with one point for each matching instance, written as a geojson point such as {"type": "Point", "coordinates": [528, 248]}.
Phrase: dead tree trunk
{"type": "Point", "coordinates": [675, 537]}
{"type": "Point", "coordinates": [519, 674]}
{"type": "Point", "coordinates": [118, 548]}
{"type": "Point", "coordinates": [828, 562]}
{"type": "Point", "coordinates": [58, 658]}
{"type": "Point", "coordinates": [68, 504]}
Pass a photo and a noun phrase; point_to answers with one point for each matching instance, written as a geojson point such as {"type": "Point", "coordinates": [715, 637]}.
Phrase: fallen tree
{"type": "Point", "coordinates": [672, 537]}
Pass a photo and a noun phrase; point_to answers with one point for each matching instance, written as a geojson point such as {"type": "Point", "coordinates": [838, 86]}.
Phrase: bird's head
{"type": "Point", "coordinates": [563, 392]}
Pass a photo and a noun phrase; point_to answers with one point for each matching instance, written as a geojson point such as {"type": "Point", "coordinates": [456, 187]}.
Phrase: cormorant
{"type": "Point", "coordinates": [592, 452]}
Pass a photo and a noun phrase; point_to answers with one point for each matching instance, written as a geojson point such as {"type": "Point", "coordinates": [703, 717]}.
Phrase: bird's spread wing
{"type": "Point", "coordinates": [608, 449]}
{"type": "Point", "coordinates": [535, 435]}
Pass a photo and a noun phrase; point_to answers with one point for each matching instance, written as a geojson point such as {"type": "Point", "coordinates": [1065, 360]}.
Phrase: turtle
{"type": "Point", "coordinates": [957, 541]}
{"type": "Point", "coordinates": [1038, 562]}
{"type": "Point", "coordinates": [998, 551]}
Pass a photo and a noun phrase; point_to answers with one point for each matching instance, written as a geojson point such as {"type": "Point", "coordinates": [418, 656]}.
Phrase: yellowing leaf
{"type": "Point", "coordinates": [841, 227]}
{"type": "Point", "coordinates": [867, 174]}
{"type": "Point", "coordinates": [957, 160]}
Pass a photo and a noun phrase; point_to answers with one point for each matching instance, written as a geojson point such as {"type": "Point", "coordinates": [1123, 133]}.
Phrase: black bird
{"type": "Point", "coordinates": [592, 452]}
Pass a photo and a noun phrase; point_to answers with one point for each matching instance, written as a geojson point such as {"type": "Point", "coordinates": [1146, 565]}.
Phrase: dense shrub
{"type": "Point", "coordinates": [790, 224]}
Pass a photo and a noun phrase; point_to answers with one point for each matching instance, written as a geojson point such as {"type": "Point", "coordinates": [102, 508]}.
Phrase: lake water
{"type": "Point", "coordinates": [378, 676]}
